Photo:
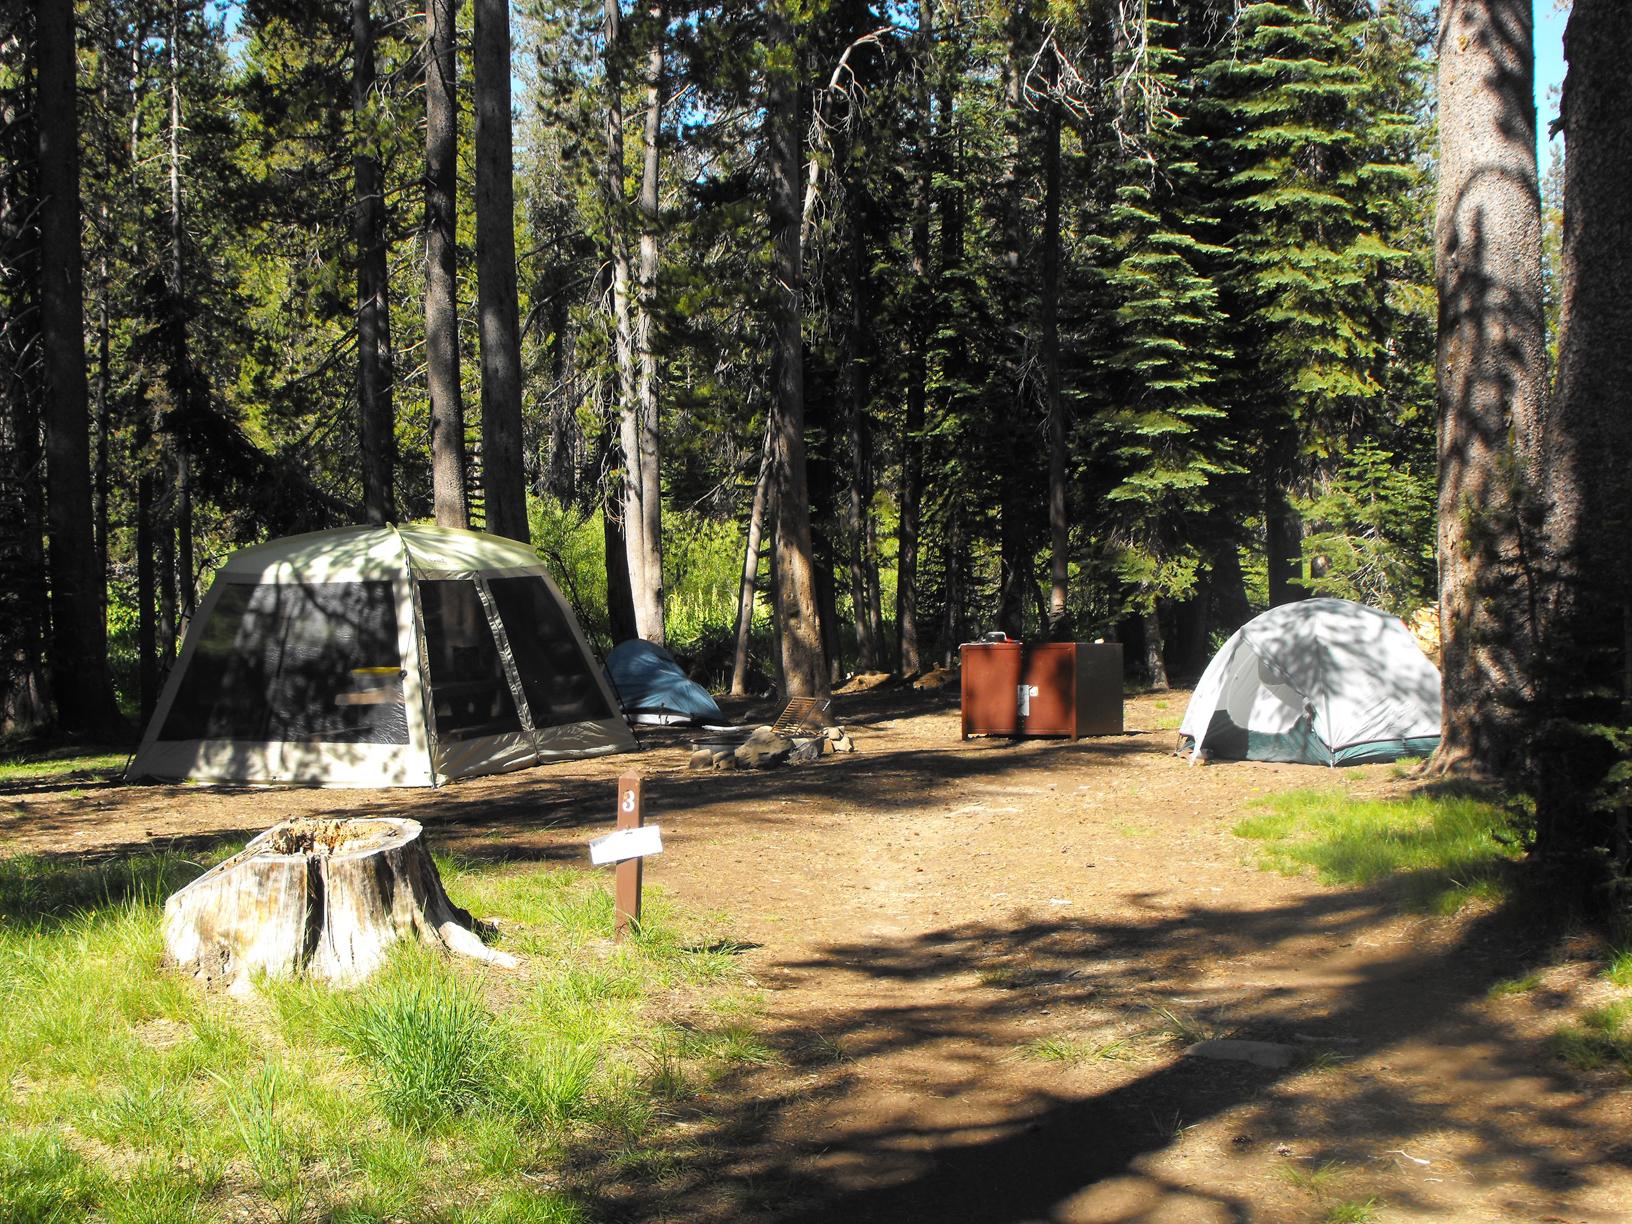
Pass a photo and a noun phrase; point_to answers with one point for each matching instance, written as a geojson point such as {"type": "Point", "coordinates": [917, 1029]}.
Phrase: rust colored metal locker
{"type": "Point", "coordinates": [1068, 689]}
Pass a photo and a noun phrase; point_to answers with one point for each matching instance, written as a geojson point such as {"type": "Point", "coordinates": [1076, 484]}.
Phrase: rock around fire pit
{"type": "Point", "coordinates": [324, 898]}
{"type": "Point", "coordinates": [766, 749]}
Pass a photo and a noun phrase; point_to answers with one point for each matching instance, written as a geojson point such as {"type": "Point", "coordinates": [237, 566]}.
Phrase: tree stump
{"type": "Point", "coordinates": [324, 898]}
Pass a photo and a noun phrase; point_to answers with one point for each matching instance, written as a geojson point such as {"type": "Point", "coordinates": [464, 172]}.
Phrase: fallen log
{"type": "Point", "coordinates": [323, 898]}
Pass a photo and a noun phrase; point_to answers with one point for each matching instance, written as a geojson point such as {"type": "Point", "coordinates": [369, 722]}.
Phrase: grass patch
{"type": "Point", "coordinates": [60, 765]}
{"type": "Point", "coordinates": [1619, 969]}
{"type": "Point", "coordinates": [1079, 1051]}
{"type": "Point", "coordinates": [1602, 1038]}
{"type": "Point", "coordinates": [1441, 852]}
{"type": "Point", "coordinates": [439, 1089]}
{"type": "Point", "coordinates": [1355, 1211]}
{"type": "Point", "coordinates": [1321, 1180]}
{"type": "Point", "coordinates": [1514, 986]}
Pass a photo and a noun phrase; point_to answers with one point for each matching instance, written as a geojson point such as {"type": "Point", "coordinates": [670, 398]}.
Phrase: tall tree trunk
{"type": "Point", "coordinates": [186, 565]}
{"type": "Point", "coordinates": [100, 479]}
{"type": "Point", "coordinates": [620, 607]}
{"type": "Point", "coordinates": [750, 575]}
{"type": "Point", "coordinates": [376, 416]}
{"type": "Point", "coordinates": [25, 703]}
{"type": "Point", "coordinates": [1282, 547]}
{"type": "Point", "coordinates": [953, 631]}
{"type": "Point", "coordinates": [1491, 372]}
{"type": "Point", "coordinates": [441, 278]}
{"type": "Point", "coordinates": [504, 481]}
{"type": "Point", "coordinates": [502, 468]}
{"type": "Point", "coordinates": [1155, 651]}
{"type": "Point", "coordinates": [1059, 524]}
{"type": "Point", "coordinates": [823, 524]}
{"type": "Point", "coordinates": [857, 383]}
{"type": "Point", "coordinates": [924, 300]}
{"type": "Point", "coordinates": [1585, 673]}
{"type": "Point", "coordinates": [620, 603]}
{"type": "Point", "coordinates": [79, 655]}
{"type": "Point", "coordinates": [147, 551]}
{"type": "Point", "coordinates": [644, 487]}
{"type": "Point", "coordinates": [623, 307]}
{"type": "Point", "coordinates": [184, 390]}
{"type": "Point", "coordinates": [1014, 418]}
{"type": "Point", "coordinates": [803, 671]}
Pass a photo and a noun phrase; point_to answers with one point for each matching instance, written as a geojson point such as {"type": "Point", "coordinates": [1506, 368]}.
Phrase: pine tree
{"type": "Point", "coordinates": [1315, 108]}
{"type": "Point", "coordinates": [1161, 429]}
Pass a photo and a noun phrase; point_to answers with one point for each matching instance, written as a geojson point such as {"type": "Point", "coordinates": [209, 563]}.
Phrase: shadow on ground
{"type": "Point", "coordinates": [1056, 1155]}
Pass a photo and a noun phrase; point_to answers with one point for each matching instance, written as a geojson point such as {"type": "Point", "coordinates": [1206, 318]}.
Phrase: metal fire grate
{"type": "Point", "coordinates": [802, 714]}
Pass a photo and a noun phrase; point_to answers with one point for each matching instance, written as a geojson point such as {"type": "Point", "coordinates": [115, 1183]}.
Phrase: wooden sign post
{"type": "Point", "coordinates": [627, 845]}
{"type": "Point", "coordinates": [630, 871]}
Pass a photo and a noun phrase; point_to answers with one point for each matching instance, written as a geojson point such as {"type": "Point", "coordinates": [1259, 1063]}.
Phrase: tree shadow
{"type": "Point", "coordinates": [1055, 1151]}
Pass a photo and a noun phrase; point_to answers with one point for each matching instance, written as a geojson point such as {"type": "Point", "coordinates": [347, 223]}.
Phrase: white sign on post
{"type": "Point", "coordinates": [624, 844]}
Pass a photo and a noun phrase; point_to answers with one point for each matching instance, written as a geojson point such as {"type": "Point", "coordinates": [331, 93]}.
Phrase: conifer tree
{"type": "Point", "coordinates": [1316, 161]}
{"type": "Point", "coordinates": [1162, 427]}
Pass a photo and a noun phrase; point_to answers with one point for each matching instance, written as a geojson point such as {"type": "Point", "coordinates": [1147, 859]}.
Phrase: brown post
{"type": "Point", "coordinates": [628, 872]}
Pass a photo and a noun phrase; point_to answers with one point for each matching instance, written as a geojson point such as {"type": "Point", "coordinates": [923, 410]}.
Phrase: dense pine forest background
{"type": "Point", "coordinates": [1184, 247]}
{"type": "Point", "coordinates": [819, 337]}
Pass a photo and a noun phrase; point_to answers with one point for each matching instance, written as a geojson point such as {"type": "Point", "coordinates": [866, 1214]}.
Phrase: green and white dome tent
{"type": "Point", "coordinates": [379, 656]}
{"type": "Point", "coordinates": [1316, 682]}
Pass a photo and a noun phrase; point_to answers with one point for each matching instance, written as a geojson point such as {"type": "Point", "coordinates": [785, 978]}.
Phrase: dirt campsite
{"type": "Point", "coordinates": [1034, 980]}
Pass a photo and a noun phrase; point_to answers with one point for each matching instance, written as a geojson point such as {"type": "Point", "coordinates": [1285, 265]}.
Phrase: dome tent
{"type": "Point", "coordinates": [379, 656]}
{"type": "Point", "coordinates": [653, 689]}
{"type": "Point", "coordinates": [1318, 682]}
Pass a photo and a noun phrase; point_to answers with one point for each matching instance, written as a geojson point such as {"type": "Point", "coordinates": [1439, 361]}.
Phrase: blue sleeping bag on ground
{"type": "Point", "coordinates": [652, 688]}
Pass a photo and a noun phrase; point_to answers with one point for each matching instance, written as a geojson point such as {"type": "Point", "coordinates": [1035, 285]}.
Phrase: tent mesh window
{"type": "Point", "coordinates": [470, 693]}
{"type": "Point", "coordinates": [295, 662]}
{"type": "Point", "coordinates": [555, 676]}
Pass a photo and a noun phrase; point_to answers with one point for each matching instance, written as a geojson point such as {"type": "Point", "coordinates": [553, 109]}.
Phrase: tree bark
{"type": "Point", "coordinates": [441, 277]}
{"type": "Point", "coordinates": [1491, 373]}
{"type": "Point", "coordinates": [857, 376]}
{"type": "Point", "coordinates": [750, 576]}
{"type": "Point", "coordinates": [184, 392]}
{"type": "Point", "coordinates": [1282, 546]}
{"type": "Point", "coordinates": [504, 481]}
{"type": "Point", "coordinates": [823, 496]}
{"type": "Point", "coordinates": [1584, 674]}
{"type": "Point", "coordinates": [644, 486]}
{"type": "Point", "coordinates": [803, 670]}
{"type": "Point", "coordinates": [376, 417]}
{"type": "Point", "coordinates": [25, 703]}
{"type": "Point", "coordinates": [623, 326]}
{"type": "Point", "coordinates": [1059, 523]}
{"type": "Point", "coordinates": [1155, 651]}
{"type": "Point", "coordinates": [322, 898]}
{"type": "Point", "coordinates": [79, 655]}
{"type": "Point", "coordinates": [909, 659]}
{"type": "Point", "coordinates": [1010, 442]}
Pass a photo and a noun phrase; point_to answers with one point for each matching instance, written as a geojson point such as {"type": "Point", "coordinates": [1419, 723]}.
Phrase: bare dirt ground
{"type": "Point", "coordinates": [920, 912]}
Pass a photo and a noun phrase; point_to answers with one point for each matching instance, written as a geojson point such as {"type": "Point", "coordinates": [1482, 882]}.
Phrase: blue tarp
{"type": "Point", "coordinates": [651, 686]}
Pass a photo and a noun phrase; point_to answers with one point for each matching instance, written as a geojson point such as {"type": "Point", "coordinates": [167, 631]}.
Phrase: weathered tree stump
{"type": "Point", "coordinates": [324, 898]}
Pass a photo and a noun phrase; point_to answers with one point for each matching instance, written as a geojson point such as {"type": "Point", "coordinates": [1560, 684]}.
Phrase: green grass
{"type": "Point", "coordinates": [1514, 986]}
{"type": "Point", "coordinates": [1079, 1051]}
{"type": "Point", "coordinates": [1356, 1211]}
{"type": "Point", "coordinates": [1321, 1180]}
{"type": "Point", "coordinates": [1440, 852]}
{"type": "Point", "coordinates": [1619, 969]}
{"type": "Point", "coordinates": [440, 1089]}
{"type": "Point", "coordinates": [66, 764]}
{"type": "Point", "coordinates": [1601, 1038]}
